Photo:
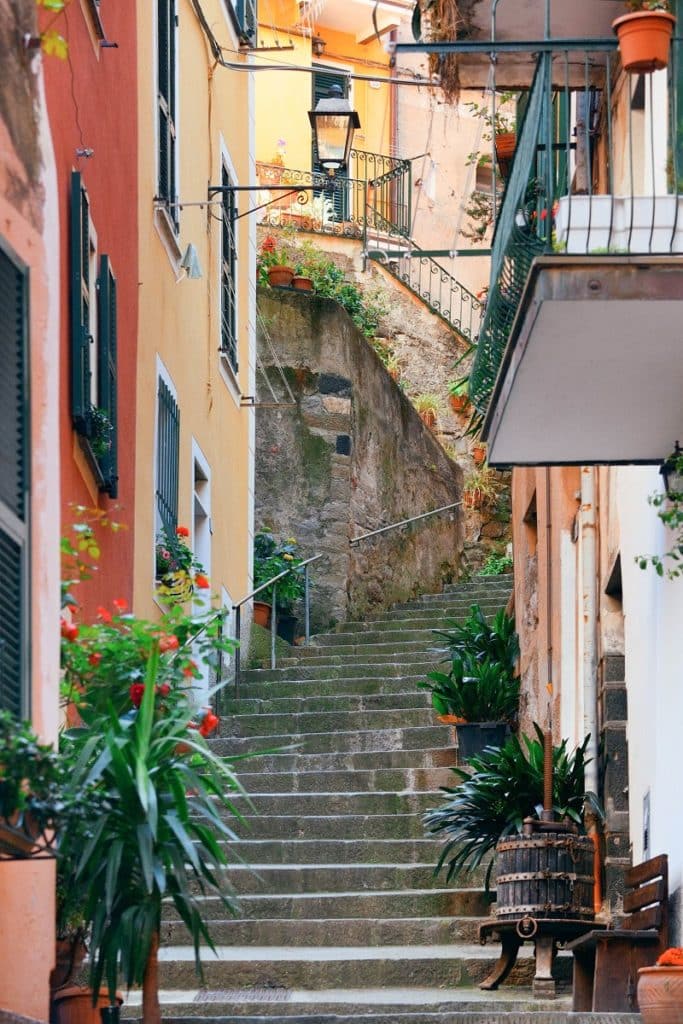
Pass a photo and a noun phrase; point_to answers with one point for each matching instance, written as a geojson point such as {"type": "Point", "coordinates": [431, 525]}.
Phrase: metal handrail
{"type": "Point", "coordinates": [403, 522]}
{"type": "Point", "coordinates": [237, 609]}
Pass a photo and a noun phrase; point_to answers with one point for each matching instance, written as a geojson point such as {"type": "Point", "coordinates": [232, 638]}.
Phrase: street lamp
{"type": "Point", "coordinates": [672, 471]}
{"type": "Point", "coordinates": [333, 123]}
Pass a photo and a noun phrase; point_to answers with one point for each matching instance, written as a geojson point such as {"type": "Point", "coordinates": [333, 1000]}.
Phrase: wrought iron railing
{"type": "Point", "coordinates": [596, 172]}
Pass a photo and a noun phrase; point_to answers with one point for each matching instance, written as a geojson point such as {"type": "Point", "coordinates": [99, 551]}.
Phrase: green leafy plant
{"type": "Point", "coordinates": [30, 778]}
{"type": "Point", "coordinates": [496, 564]}
{"type": "Point", "coordinates": [481, 684]}
{"type": "Point", "coordinates": [648, 5]}
{"type": "Point", "coordinates": [458, 387]}
{"type": "Point", "coordinates": [159, 835]}
{"type": "Point", "coordinates": [101, 431]}
{"type": "Point", "coordinates": [670, 512]}
{"type": "Point", "coordinates": [483, 484]}
{"type": "Point", "coordinates": [271, 557]}
{"type": "Point", "coordinates": [501, 787]}
{"type": "Point", "coordinates": [269, 255]}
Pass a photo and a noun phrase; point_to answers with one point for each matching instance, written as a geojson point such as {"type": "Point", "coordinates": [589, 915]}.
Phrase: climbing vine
{"type": "Point", "coordinates": [670, 511]}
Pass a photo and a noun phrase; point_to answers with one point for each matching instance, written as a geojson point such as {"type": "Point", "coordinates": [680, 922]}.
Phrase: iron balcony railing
{"type": "Point", "coordinates": [597, 171]}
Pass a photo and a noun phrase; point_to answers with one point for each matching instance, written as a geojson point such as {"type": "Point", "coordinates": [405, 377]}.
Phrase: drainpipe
{"type": "Point", "coordinates": [590, 621]}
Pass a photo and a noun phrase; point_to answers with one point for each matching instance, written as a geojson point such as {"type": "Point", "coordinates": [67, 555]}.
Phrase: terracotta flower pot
{"type": "Point", "coordinates": [428, 417]}
{"type": "Point", "coordinates": [302, 284]}
{"type": "Point", "coordinates": [280, 276]}
{"type": "Point", "coordinates": [473, 499]}
{"type": "Point", "coordinates": [505, 143]}
{"type": "Point", "coordinates": [73, 1005]}
{"type": "Point", "coordinates": [644, 40]}
{"type": "Point", "coordinates": [262, 613]}
{"type": "Point", "coordinates": [479, 453]}
{"type": "Point", "coordinates": [660, 995]}
{"type": "Point", "coordinates": [458, 402]}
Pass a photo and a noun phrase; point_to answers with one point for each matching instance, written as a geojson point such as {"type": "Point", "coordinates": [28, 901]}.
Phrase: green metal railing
{"type": "Point", "coordinates": [590, 176]}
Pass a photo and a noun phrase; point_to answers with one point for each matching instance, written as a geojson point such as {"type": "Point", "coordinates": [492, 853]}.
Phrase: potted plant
{"type": "Point", "coordinates": [645, 35]}
{"type": "Point", "coordinates": [272, 557]}
{"type": "Point", "coordinates": [427, 407]}
{"type": "Point", "coordinates": [479, 452]}
{"type": "Point", "coordinates": [660, 989]}
{"type": "Point", "coordinates": [499, 128]}
{"type": "Point", "coordinates": [30, 788]}
{"type": "Point", "coordinates": [273, 265]}
{"type": "Point", "coordinates": [457, 394]}
{"type": "Point", "coordinates": [177, 571]}
{"type": "Point", "coordinates": [499, 790]}
{"type": "Point", "coordinates": [480, 488]}
{"type": "Point", "coordinates": [393, 366]}
{"type": "Point", "coordinates": [481, 689]}
{"type": "Point", "coordinates": [301, 282]}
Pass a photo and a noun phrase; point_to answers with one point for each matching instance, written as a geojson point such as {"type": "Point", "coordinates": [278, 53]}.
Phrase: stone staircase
{"type": "Point", "coordinates": [340, 913]}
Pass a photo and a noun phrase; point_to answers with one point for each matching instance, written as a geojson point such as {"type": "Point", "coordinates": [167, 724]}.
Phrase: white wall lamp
{"type": "Point", "coordinates": [190, 266]}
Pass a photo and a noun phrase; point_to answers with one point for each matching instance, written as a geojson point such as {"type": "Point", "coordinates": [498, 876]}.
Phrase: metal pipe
{"type": "Point", "coordinates": [590, 622]}
{"type": "Point", "coordinates": [403, 522]}
{"type": "Point", "coordinates": [486, 46]}
{"type": "Point", "coordinates": [307, 607]}
{"type": "Point", "coordinates": [273, 628]}
{"type": "Point", "coordinates": [238, 652]}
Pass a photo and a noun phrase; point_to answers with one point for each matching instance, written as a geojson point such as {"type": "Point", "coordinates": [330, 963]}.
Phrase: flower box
{"type": "Point", "coordinates": [595, 225]}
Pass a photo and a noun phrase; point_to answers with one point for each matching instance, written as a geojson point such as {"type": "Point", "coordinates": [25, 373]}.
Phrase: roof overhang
{"type": "Point", "coordinates": [593, 370]}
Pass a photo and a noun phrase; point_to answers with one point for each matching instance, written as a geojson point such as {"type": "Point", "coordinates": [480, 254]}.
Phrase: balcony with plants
{"type": "Point", "coordinates": [586, 276]}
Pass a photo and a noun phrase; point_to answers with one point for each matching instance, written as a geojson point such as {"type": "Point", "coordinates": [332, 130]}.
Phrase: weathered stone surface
{"type": "Point", "coordinates": [350, 457]}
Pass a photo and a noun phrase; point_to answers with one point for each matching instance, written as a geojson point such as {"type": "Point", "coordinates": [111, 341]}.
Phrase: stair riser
{"type": "Point", "coordinates": [398, 636]}
{"type": "Point", "coordinates": [386, 678]}
{"type": "Point", "coordinates": [367, 826]}
{"type": "Point", "coordinates": [292, 705]}
{"type": "Point", "coordinates": [365, 906]}
{"type": "Point", "coordinates": [333, 804]}
{"type": "Point", "coordinates": [353, 932]}
{"type": "Point", "coordinates": [347, 762]}
{"type": "Point", "coordinates": [325, 721]}
{"type": "Point", "coordinates": [337, 851]}
{"type": "Point", "coordinates": [457, 972]}
{"type": "Point", "coordinates": [280, 881]}
{"type": "Point", "coordinates": [410, 621]}
{"type": "Point", "coordinates": [278, 1012]}
{"type": "Point", "coordinates": [343, 742]}
{"type": "Point", "coordinates": [383, 780]}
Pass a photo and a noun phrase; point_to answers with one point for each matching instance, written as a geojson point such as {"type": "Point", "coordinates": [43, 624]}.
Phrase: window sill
{"type": "Point", "coordinates": [230, 378]}
{"type": "Point", "coordinates": [168, 233]}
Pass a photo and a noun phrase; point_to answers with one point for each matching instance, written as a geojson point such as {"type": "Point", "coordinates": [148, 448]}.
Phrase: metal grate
{"type": "Point", "coordinates": [168, 448]}
{"type": "Point", "coordinates": [228, 276]}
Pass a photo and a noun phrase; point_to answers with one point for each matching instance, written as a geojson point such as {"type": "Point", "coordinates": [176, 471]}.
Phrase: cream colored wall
{"type": "Point", "coordinates": [179, 323]}
{"type": "Point", "coordinates": [27, 890]}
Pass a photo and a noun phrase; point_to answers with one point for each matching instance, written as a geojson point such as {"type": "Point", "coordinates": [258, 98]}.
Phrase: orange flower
{"type": "Point", "coordinates": [190, 669]}
{"type": "Point", "coordinates": [672, 957]}
{"type": "Point", "coordinates": [182, 531]}
{"type": "Point", "coordinates": [120, 604]}
{"type": "Point", "coordinates": [69, 630]}
{"type": "Point", "coordinates": [104, 614]}
{"type": "Point", "coordinates": [202, 581]}
{"type": "Point", "coordinates": [94, 659]}
{"type": "Point", "coordinates": [168, 642]}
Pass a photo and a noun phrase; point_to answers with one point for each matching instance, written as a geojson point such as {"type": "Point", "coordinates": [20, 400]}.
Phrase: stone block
{"type": "Point", "coordinates": [613, 668]}
{"type": "Point", "coordinates": [336, 406]}
{"type": "Point", "coordinates": [614, 703]}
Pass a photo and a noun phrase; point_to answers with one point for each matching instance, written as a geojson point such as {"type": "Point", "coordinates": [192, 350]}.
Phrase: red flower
{"type": "Point", "coordinates": [268, 244]}
{"type": "Point", "coordinates": [120, 604]}
{"type": "Point", "coordinates": [69, 630]}
{"type": "Point", "coordinates": [182, 531]}
{"type": "Point", "coordinates": [190, 669]}
{"type": "Point", "coordinates": [104, 614]}
{"type": "Point", "coordinates": [94, 659]}
{"type": "Point", "coordinates": [202, 581]}
{"type": "Point", "coordinates": [210, 723]}
{"type": "Point", "coordinates": [168, 642]}
{"type": "Point", "coordinates": [164, 689]}
{"type": "Point", "coordinates": [136, 691]}
{"type": "Point", "coordinates": [672, 957]}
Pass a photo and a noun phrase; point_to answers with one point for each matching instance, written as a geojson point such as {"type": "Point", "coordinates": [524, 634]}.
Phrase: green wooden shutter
{"type": "Point", "coordinates": [228, 276]}
{"type": "Point", "coordinates": [106, 372]}
{"type": "Point", "coordinates": [14, 484]}
{"type": "Point", "coordinates": [166, 72]}
{"type": "Point", "coordinates": [248, 21]}
{"type": "Point", "coordinates": [168, 453]}
{"type": "Point", "coordinates": [79, 291]}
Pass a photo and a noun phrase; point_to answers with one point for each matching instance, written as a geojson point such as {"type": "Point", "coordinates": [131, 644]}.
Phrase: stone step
{"type": "Point", "coordinates": [335, 679]}
{"type": "Point", "coordinates": [290, 879]}
{"type": "Point", "coordinates": [336, 851]}
{"type": "Point", "coordinates": [441, 757]}
{"type": "Point", "coordinates": [332, 804]}
{"type": "Point", "coordinates": [500, 597]}
{"type": "Point", "coordinates": [408, 621]}
{"type": "Point", "coordinates": [399, 636]}
{"type": "Point", "coordinates": [485, 583]}
{"type": "Point", "coordinates": [368, 906]}
{"type": "Point", "coordinates": [315, 702]}
{"type": "Point", "coordinates": [212, 1011]}
{"type": "Point", "coordinates": [332, 653]}
{"type": "Point", "coordinates": [344, 966]}
{"type": "Point", "coordinates": [416, 738]}
{"type": "Point", "coordinates": [369, 826]}
{"type": "Point", "coordinates": [347, 931]}
{"type": "Point", "coordinates": [431, 616]}
{"type": "Point", "coordinates": [395, 780]}
{"type": "Point", "coordinates": [418, 660]}
{"type": "Point", "coordinates": [325, 721]}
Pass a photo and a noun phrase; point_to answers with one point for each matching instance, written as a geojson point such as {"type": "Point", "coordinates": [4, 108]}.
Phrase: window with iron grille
{"type": "Point", "coordinates": [228, 276]}
{"type": "Point", "coordinates": [168, 451]}
{"type": "Point", "coordinates": [14, 485]}
{"type": "Point", "coordinates": [166, 101]}
{"type": "Point", "coordinates": [93, 344]}
{"type": "Point", "coordinates": [246, 20]}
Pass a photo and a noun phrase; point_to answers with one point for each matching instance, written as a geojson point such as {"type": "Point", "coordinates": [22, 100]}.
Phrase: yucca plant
{"type": "Point", "coordinates": [496, 640]}
{"type": "Point", "coordinates": [501, 787]}
{"type": "Point", "coordinates": [159, 833]}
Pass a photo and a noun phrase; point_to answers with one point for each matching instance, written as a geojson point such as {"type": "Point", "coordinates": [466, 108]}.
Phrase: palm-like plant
{"type": "Point", "coordinates": [158, 834]}
{"type": "Point", "coordinates": [499, 790]}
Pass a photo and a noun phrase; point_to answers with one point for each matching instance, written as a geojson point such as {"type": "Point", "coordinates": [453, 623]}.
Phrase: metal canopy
{"type": "Point", "coordinates": [593, 371]}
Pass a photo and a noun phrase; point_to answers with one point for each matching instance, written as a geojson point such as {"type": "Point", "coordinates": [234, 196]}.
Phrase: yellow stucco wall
{"type": "Point", "coordinates": [179, 320]}
{"type": "Point", "coordinates": [283, 98]}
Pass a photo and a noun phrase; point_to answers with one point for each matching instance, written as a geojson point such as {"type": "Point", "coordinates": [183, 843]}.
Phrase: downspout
{"type": "Point", "coordinates": [590, 622]}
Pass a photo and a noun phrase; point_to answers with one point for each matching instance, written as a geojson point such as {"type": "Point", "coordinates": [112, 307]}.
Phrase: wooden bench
{"type": "Point", "coordinates": [606, 962]}
{"type": "Point", "coordinates": [545, 933]}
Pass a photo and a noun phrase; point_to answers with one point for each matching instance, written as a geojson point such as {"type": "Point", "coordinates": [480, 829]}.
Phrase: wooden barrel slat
{"type": "Point", "coordinates": [545, 876]}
